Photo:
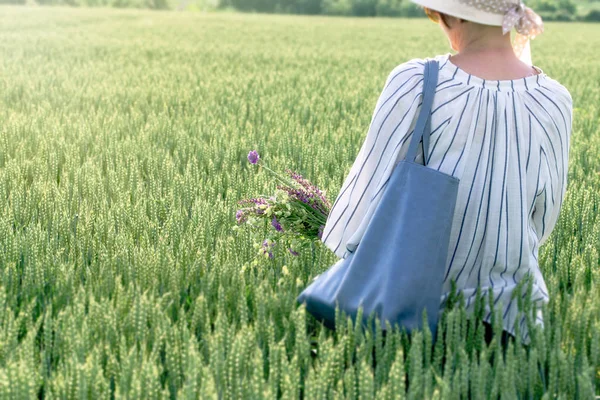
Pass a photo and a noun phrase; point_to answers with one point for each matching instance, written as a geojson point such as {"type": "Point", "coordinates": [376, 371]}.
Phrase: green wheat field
{"type": "Point", "coordinates": [123, 144]}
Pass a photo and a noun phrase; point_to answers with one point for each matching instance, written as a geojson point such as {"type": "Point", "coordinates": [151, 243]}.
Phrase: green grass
{"type": "Point", "coordinates": [123, 143]}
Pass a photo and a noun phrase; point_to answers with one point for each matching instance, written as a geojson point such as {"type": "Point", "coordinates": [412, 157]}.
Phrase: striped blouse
{"type": "Point", "coordinates": [508, 143]}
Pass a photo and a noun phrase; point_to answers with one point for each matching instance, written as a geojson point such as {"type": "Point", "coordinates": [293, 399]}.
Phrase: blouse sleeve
{"type": "Point", "coordinates": [386, 141]}
{"type": "Point", "coordinates": [549, 200]}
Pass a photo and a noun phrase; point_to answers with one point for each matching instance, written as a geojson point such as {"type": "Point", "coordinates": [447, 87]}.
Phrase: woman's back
{"type": "Point", "coordinates": [507, 141]}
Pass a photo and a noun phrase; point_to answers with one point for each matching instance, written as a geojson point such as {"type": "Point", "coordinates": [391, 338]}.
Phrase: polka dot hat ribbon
{"type": "Point", "coordinates": [526, 22]}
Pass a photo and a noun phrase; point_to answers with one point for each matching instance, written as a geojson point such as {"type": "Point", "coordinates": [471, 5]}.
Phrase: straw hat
{"type": "Point", "coordinates": [508, 14]}
{"type": "Point", "coordinates": [460, 9]}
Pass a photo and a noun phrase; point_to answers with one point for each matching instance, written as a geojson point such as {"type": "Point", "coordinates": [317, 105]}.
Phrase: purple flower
{"type": "Point", "coordinates": [266, 248]}
{"type": "Point", "coordinates": [305, 197]}
{"type": "Point", "coordinates": [253, 157]}
{"type": "Point", "coordinates": [309, 187]}
{"type": "Point", "coordinates": [320, 234]}
{"type": "Point", "coordinates": [256, 201]}
{"type": "Point", "coordinates": [240, 216]}
{"type": "Point", "coordinates": [293, 252]}
{"type": "Point", "coordinates": [276, 224]}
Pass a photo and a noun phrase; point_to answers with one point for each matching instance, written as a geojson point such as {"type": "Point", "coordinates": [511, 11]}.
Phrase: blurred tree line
{"type": "Point", "coordinates": [583, 10]}
{"type": "Point", "coordinates": [550, 10]}
{"type": "Point", "coordinates": [363, 8]}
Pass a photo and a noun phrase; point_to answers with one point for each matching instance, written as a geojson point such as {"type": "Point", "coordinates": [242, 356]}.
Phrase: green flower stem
{"type": "Point", "coordinates": [288, 183]}
{"type": "Point", "coordinates": [311, 212]}
{"type": "Point", "coordinates": [313, 219]}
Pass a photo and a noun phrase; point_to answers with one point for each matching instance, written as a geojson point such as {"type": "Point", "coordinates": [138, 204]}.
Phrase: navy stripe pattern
{"type": "Point", "coordinates": [508, 143]}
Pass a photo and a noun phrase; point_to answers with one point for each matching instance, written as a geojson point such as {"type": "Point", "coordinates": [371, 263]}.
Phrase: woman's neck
{"type": "Point", "coordinates": [484, 51]}
{"type": "Point", "coordinates": [492, 63]}
{"type": "Point", "coordinates": [488, 41]}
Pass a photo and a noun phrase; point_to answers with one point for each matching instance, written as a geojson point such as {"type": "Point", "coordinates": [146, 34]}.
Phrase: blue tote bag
{"type": "Point", "coordinates": [398, 267]}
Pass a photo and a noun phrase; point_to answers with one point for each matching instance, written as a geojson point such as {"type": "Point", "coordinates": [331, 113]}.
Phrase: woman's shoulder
{"type": "Point", "coordinates": [557, 89]}
{"type": "Point", "coordinates": [410, 69]}
{"type": "Point", "coordinates": [409, 73]}
{"type": "Point", "coordinates": [417, 65]}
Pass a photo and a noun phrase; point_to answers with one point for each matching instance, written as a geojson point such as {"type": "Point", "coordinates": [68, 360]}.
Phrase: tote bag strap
{"type": "Point", "coordinates": [423, 126]}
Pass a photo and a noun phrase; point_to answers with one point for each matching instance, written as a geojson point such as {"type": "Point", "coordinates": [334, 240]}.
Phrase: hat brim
{"type": "Point", "coordinates": [460, 10]}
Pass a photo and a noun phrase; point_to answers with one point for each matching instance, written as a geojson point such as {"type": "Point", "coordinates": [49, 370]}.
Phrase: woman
{"type": "Point", "coordinates": [500, 125]}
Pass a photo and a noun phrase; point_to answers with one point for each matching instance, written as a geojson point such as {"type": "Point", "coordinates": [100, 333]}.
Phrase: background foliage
{"type": "Point", "coordinates": [123, 150]}
{"type": "Point", "coordinates": [559, 10]}
{"type": "Point", "coordinates": [550, 10]}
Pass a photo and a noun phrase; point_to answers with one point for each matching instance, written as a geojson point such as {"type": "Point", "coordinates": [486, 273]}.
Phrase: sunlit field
{"type": "Point", "coordinates": [123, 144]}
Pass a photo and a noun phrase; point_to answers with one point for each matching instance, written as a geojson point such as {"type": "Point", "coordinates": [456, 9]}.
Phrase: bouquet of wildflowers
{"type": "Point", "coordinates": [296, 213]}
